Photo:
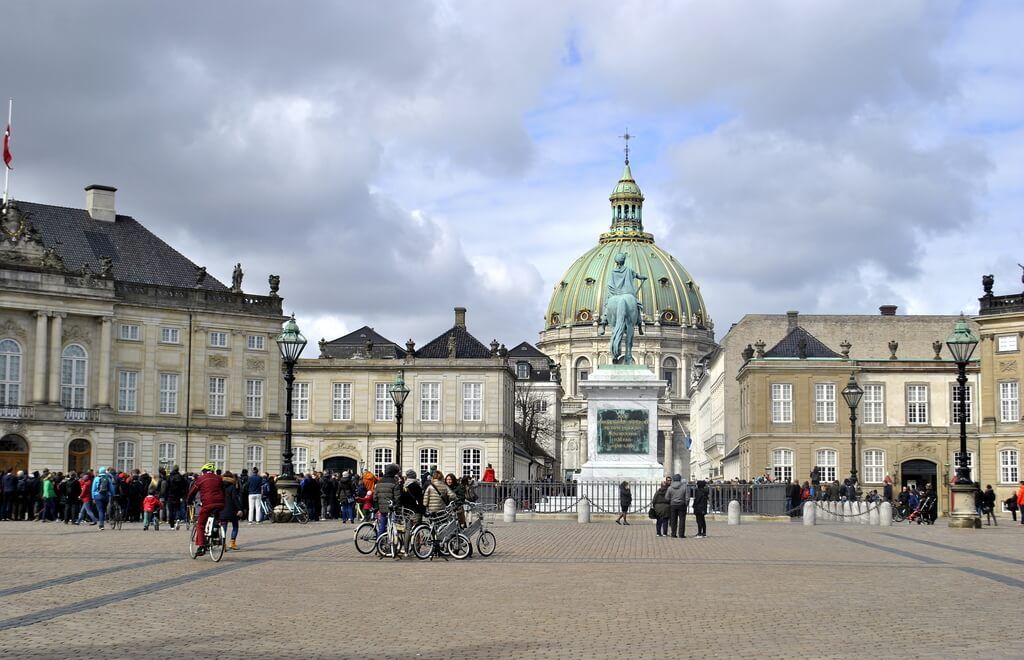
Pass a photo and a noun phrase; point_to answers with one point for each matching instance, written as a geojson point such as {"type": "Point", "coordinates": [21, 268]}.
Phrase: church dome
{"type": "Point", "coordinates": [669, 296]}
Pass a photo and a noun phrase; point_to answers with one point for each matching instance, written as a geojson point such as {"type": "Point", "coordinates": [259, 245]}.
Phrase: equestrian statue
{"type": "Point", "coordinates": [622, 310]}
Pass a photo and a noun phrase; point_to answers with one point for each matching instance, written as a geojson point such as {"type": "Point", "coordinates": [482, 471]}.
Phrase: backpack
{"type": "Point", "coordinates": [471, 495]}
{"type": "Point", "coordinates": [104, 486]}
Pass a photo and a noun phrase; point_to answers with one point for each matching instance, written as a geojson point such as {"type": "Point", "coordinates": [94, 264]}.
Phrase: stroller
{"type": "Point", "coordinates": [920, 514]}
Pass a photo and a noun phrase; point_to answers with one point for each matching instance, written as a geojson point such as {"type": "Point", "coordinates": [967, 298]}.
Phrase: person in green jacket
{"type": "Point", "coordinates": [49, 499]}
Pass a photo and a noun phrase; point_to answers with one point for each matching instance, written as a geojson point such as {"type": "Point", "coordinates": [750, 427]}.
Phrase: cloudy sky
{"type": "Point", "coordinates": [391, 160]}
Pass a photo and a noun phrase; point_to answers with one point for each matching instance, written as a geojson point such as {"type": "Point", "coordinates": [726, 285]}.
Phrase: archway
{"type": "Point", "coordinates": [918, 473]}
{"type": "Point", "coordinates": [13, 453]}
{"type": "Point", "coordinates": [79, 455]}
{"type": "Point", "coordinates": [339, 464]}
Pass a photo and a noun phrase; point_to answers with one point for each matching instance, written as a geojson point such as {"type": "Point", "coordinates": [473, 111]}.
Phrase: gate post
{"type": "Point", "coordinates": [510, 510]}
{"type": "Point", "coordinates": [583, 511]}
{"type": "Point", "coordinates": [809, 512]}
{"type": "Point", "coordinates": [734, 513]}
{"type": "Point", "coordinates": [885, 515]}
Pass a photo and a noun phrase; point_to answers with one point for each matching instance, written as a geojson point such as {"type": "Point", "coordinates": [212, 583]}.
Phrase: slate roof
{"type": "Point", "coordinates": [526, 350]}
{"type": "Point", "coordinates": [466, 345]}
{"type": "Point", "coordinates": [138, 254]}
{"type": "Point", "coordinates": [354, 344]}
{"type": "Point", "coordinates": [800, 344]}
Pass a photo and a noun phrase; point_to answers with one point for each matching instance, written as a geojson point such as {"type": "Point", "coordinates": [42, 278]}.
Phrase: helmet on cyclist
{"type": "Point", "coordinates": [209, 467]}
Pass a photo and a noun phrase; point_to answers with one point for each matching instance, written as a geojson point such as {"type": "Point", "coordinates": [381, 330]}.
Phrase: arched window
{"type": "Point", "coordinates": [167, 455]}
{"type": "Point", "coordinates": [472, 460]}
{"type": "Point", "coordinates": [125, 459]}
{"type": "Point", "coordinates": [827, 461]}
{"type": "Point", "coordinates": [428, 460]}
{"type": "Point", "coordinates": [74, 367]}
{"type": "Point", "coordinates": [13, 442]}
{"type": "Point", "coordinates": [1009, 461]}
{"type": "Point", "coordinates": [668, 373]}
{"type": "Point", "coordinates": [582, 372]}
{"type": "Point", "coordinates": [10, 373]}
{"type": "Point", "coordinates": [782, 464]}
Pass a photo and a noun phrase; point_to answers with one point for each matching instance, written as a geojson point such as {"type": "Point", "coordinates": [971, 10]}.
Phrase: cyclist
{"type": "Point", "coordinates": [210, 488]}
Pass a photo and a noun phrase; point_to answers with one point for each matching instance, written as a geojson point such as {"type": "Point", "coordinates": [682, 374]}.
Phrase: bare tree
{"type": "Point", "coordinates": [535, 426]}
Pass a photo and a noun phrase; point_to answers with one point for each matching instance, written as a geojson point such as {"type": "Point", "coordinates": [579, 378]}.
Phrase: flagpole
{"type": "Point", "coordinates": [7, 169]}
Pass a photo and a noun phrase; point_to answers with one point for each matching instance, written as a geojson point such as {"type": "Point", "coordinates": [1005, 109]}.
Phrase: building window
{"type": "Point", "coordinates": [472, 460]}
{"type": "Point", "coordinates": [301, 460]}
{"type": "Point", "coordinates": [874, 466]}
{"type": "Point", "coordinates": [127, 391]}
{"type": "Point", "coordinates": [1008, 466]}
{"type": "Point", "coordinates": [668, 373]}
{"type": "Point", "coordinates": [827, 461]}
{"type": "Point", "coordinates": [125, 459]}
{"type": "Point", "coordinates": [1006, 343]}
{"type": "Point", "coordinates": [218, 394]}
{"type": "Point", "coordinates": [522, 370]}
{"type": "Point", "coordinates": [430, 402]}
{"type": "Point", "coordinates": [255, 342]}
{"type": "Point", "coordinates": [73, 366]}
{"type": "Point", "coordinates": [782, 464]}
{"type": "Point", "coordinates": [382, 457]}
{"type": "Point", "coordinates": [582, 372]}
{"type": "Point", "coordinates": [874, 404]}
{"type": "Point", "coordinates": [130, 332]}
{"type": "Point", "coordinates": [428, 460]}
{"type": "Point", "coordinates": [917, 404]}
{"type": "Point", "coordinates": [956, 403]}
{"type": "Point", "coordinates": [341, 405]}
{"type": "Point", "coordinates": [825, 403]}
{"type": "Point", "coordinates": [384, 408]}
{"type": "Point", "coordinates": [168, 394]}
{"type": "Point", "coordinates": [1009, 402]}
{"type": "Point", "coordinates": [782, 403]}
{"type": "Point", "coordinates": [254, 457]}
{"type": "Point", "coordinates": [219, 339]}
{"type": "Point", "coordinates": [10, 373]}
{"type": "Point", "coordinates": [170, 336]}
{"type": "Point", "coordinates": [300, 401]}
{"type": "Point", "coordinates": [254, 398]}
{"type": "Point", "coordinates": [956, 461]}
{"type": "Point", "coordinates": [217, 454]}
{"type": "Point", "coordinates": [166, 455]}
{"type": "Point", "coordinates": [472, 401]}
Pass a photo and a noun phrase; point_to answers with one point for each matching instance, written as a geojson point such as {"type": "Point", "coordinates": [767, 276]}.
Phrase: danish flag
{"type": "Point", "coordinates": [7, 147]}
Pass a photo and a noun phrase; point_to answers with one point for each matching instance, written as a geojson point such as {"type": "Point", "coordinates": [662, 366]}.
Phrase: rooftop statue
{"type": "Point", "coordinates": [622, 309]}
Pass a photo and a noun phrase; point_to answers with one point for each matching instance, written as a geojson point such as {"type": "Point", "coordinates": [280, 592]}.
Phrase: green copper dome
{"type": "Point", "coordinates": [669, 295]}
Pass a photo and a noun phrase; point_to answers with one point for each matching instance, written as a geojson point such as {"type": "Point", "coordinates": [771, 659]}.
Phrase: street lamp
{"type": "Point", "coordinates": [399, 392]}
{"type": "Point", "coordinates": [853, 393]}
{"type": "Point", "coordinates": [961, 346]}
{"type": "Point", "coordinates": [290, 342]}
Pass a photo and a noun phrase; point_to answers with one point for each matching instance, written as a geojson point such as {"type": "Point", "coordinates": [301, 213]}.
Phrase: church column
{"type": "Point", "coordinates": [56, 339]}
{"type": "Point", "coordinates": [39, 360]}
{"type": "Point", "coordinates": [669, 440]}
{"type": "Point", "coordinates": [103, 396]}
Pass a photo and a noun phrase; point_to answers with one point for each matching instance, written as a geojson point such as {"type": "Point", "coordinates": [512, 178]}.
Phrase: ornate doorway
{"type": "Point", "coordinates": [339, 464]}
{"type": "Point", "coordinates": [79, 455]}
{"type": "Point", "coordinates": [918, 473]}
{"type": "Point", "coordinates": [13, 453]}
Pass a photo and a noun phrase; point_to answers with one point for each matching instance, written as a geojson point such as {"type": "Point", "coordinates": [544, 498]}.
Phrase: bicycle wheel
{"type": "Point", "coordinates": [303, 517]}
{"type": "Point", "coordinates": [215, 544]}
{"type": "Point", "coordinates": [193, 547]}
{"type": "Point", "coordinates": [384, 546]}
{"type": "Point", "coordinates": [422, 544]}
{"type": "Point", "coordinates": [486, 543]}
{"type": "Point", "coordinates": [366, 538]}
{"type": "Point", "coordinates": [458, 546]}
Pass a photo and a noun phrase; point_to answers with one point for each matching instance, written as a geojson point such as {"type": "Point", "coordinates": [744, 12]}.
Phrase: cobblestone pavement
{"type": "Point", "coordinates": [552, 590]}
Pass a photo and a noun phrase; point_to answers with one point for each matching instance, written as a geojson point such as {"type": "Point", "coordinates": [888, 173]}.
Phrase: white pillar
{"type": "Point", "coordinates": [848, 512]}
{"type": "Point", "coordinates": [862, 508]}
{"type": "Point", "coordinates": [510, 510]}
{"type": "Point", "coordinates": [583, 511]}
{"type": "Point", "coordinates": [734, 513]}
{"type": "Point", "coordinates": [103, 396]}
{"type": "Point", "coordinates": [885, 515]}
{"type": "Point", "coordinates": [809, 512]}
{"type": "Point", "coordinates": [39, 360]}
{"type": "Point", "coordinates": [873, 516]}
{"type": "Point", "coordinates": [56, 341]}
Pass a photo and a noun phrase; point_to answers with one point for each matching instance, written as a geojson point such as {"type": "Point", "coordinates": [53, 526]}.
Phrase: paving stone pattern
{"type": "Point", "coordinates": [552, 590]}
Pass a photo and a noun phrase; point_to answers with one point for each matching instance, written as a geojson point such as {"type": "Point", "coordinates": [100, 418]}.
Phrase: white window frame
{"type": "Point", "coordinates": [954, 397]}
{"type": "Point", "coordinates": [10, 372]}
{"type": "Point", "coordinates": [129, 332]}
{"type": "Point", "coordinates": [254, 398]}
{"type": "Point", "coordinates": [301, 460]}
{"type": "Point", "coordinates": [430, 402]}
{"type": "Point", "coordinates": [1009, 401]}
{"type": "Point", "coordinates": [873, 410]}
{"type": "Point", "coordinates": [254, 456]}
{"type": "Point", "coordinates": [217, 453]}
{"type": "Point", "coordinates": [874, 466]}
{"type": "Point", "coordinates": [522, 370]}
{"type": "Point", "coordinates": [825, 403]}
{"type": "Point", "coordinates": [341, 402]}
{"type": "Point", "coordinates": [472, 462]}
{"type": "Point", "coordinates": [781, 470]}
{"type": "Point", "coordinates": [255, 343]}
{"type": "Point", "coordinates": [472, 402]}
{"type": "Point", "coordinates": [166, 454]}
{"type": "Point", "coordinates": [300, 402]}
{"type": "Point", "coordinates": [828, 471]}
{"type": "Point", "coordinates": [384, 405]}
{"type": "Point", "coordinates": [1009, 466]}
{"type": "Point", "coordinates": [917, 404]}
{"type": "Point", "coordinates": [429, 457]}
{"type": "Point", "coordinates": [217, 391]}
{"type": "Point", "coordinates": [218, 339]}
{"type": "Point", "coordinates": [168, 383]}
{"type": "Point", "coordinates": [1006, 344]}
{"type": "Point", "coordinates": [782, 403]}
{"type": "Point", "coordinates": [124, 460]}
{"type": "Point", "coordinates": [127, 391]}
{"type": "Point", "coordinates": [74, 377]}
{"type": "Point", "coordinates": [382, 457]}
{"type": "Point", "coordinates": [170, 335]}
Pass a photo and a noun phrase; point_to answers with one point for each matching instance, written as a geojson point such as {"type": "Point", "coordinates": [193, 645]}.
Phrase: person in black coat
{"type": "Point", "coordinates": [234, 507]}
{"type": "Point", "coordinates": [700, 508]}
{"type": "Point", "coordinates": [625, 501]}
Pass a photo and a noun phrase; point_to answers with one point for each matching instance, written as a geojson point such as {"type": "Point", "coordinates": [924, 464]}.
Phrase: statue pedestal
{"type": "Point", "coordinates": [622, 424]}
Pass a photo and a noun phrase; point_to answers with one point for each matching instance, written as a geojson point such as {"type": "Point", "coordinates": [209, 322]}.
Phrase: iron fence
{"type": "Point", "coordinates": [563, 497]}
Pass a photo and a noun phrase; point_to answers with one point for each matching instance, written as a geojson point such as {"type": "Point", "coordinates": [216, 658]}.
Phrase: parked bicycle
{"type": "Point", "coordinates": [266, 510]}
{"type": "Point", "coordinates": [485, 540]}
{"type": "Point", "coordinates": [392, 542]}
{"type": "Point", "coordinates": [295, 511]}
{"type": "Point", "coordinates": [440, 536]}
{"type": "Point", "coordinates": [366, 537]}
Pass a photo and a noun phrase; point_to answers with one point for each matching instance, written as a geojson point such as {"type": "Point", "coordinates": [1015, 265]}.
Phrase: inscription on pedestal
{"type": "Point", "coordinates": [622, 431]}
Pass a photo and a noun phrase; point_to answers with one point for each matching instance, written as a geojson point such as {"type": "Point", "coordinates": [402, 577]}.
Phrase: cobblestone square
{"type": "Point", "coordinates": [553, 589]}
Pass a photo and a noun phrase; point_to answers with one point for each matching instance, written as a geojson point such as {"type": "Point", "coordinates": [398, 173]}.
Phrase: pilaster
{"type": "Point", "coordinates": [56, 341]}
{"type": "Point", "coordinates": [103, 396]}
{"type": "Point", "coordinates": [39, 360]}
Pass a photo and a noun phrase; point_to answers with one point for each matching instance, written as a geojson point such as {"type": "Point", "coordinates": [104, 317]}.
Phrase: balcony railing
{"type": "Point", "coordinates": [16, 412]}
{"type": "Point", "coordinates": [81, 415]}
{"type": "Point", "coordinates": [715, 441]}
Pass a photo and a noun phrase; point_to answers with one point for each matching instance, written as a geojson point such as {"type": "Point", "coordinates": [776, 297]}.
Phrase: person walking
{"type": "Point", "coordinates": [988, 505]}
{"type": "Point", "coordinates": [102, 490]}
{"type": "Point", "coordinates": [234, 506]}
{"type": "Point", "coordinates": [151, 510]}
{"type": "Point", "coordinates": [177, 488]}
{"type": "Point", "coordinates": [254, 490]}
{"type": "Point", "coordinates": [662, 509]}
{"type": "Point", "coordinates": [49, 491]}
{"type": "Point", "coordinates": [678, 498]}
{"type": "Point", "coordinates": [700, 508]}
{"type": "Point", "coordinates": [346, 495]}
{"type": "Point", "coordinates": [85, 497]}
{"type": "Point", "coordinates": [1020, 501]}
{"type": "Point", "coordinates": [625, 501]}
{"type": "Point", "coordinates": [1011, 505]}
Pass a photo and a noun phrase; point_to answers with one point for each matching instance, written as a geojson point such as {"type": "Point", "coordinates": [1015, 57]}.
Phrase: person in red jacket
{"type": "Point", "coordinates": [488, 475]}
{"type": "Point", "coordinates": [210, 488]}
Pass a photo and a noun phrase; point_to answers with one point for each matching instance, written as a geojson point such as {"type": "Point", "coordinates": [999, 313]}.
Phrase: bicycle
{"type": "Point", "coordinates": [441, 536]}
{"type": "Point", "coordinates": [296, 511]}
{"type": "Point", "coordinates": [485, 541]}
{"type": "Point", "coordinates": [116, 515]}
{"type": "Point", "coordinates": [900, 512]}
{"type": "Point", "coordinates": [214, 541]}
{"type": "Point", "coordinates": [366, 537]}
{"type": "Point", "coordinates": [391, 542]}
{"type": "Point", "coordinates": [266, 510]}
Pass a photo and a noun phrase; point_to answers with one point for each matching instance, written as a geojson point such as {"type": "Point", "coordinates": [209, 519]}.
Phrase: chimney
{"type": "Point", "coordinates": [460, 317]}
{"type": "Point", "coordinates": [99, 202]}
{"type": "Point", "coordinates": [887, 310]}
{"type": "Point", "coordinates": [791, 320]}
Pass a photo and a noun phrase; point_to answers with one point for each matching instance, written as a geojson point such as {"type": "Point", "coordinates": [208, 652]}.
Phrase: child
{"type": "Point", "coordinates": [151, 511]}
{"type": "Point", "coordinates": [365, 499]}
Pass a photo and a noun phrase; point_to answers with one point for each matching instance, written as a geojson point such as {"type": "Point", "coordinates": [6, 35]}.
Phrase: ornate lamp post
{"type": "Point", "coordinates": [399, 392]}
{"type": "Point", "coordinates": [853, 393]}
{"type": "Point", "coordinates": [961, 346]}
{"type": "Point", "coordinates": [290, 342]}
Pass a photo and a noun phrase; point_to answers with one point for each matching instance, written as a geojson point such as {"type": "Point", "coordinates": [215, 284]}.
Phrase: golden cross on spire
{"type": "Point", "coordinates": [627, 137]}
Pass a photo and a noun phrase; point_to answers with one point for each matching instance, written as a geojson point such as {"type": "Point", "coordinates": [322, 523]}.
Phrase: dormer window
{"type": "Point", "coordinates": [590, 281]}
{"type": "Point", "coordinates": [522, 370]}
{"type": "Point", "coordinates": [663, 281]}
